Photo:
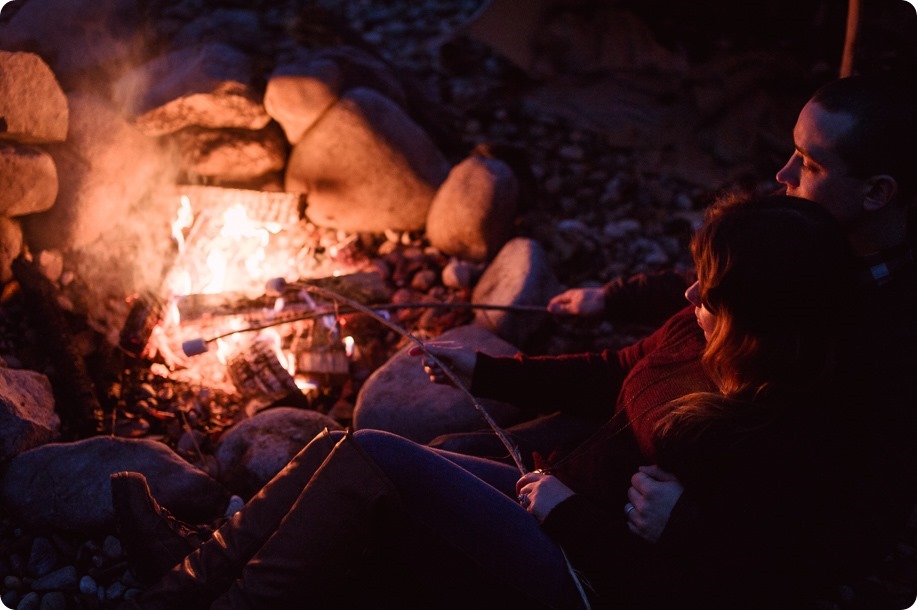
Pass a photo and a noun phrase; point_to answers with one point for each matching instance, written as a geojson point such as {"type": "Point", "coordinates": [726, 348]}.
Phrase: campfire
{"type": "Point", "coordinates": [214, 321]}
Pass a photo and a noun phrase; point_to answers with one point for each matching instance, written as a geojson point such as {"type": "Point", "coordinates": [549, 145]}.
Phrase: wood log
{"type": "Point", "coordinates": [76, 401]}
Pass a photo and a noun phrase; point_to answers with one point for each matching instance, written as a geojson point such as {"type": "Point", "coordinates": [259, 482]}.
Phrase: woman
{"type": "Point", "coordinates": [459, 531]}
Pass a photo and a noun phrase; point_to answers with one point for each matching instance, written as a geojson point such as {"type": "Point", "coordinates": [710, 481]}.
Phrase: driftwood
{"type": "Point", "coordinates": [75, 397]}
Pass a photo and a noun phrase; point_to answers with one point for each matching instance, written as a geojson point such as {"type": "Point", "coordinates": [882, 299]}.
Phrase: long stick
{"type": "Point", "coordinates": [513, 450]}
{"type": "Point", "coordinates": [327, 311]}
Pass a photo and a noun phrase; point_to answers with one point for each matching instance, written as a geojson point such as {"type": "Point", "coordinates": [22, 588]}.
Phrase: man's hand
{"type": "Point", "coordinates": [459, 358]}
{"type": "Point", "coordinates": [653, 494]}
{"type": "Point", "coordinates": [586, 302]}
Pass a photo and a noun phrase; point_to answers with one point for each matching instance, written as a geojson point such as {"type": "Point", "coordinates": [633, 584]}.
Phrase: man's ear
{"type": "Point", "coordinates": [880, 190]}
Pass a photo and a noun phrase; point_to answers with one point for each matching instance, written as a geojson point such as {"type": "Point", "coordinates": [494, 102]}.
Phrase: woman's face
{"type": "Point", "coordinates": [705, 319]}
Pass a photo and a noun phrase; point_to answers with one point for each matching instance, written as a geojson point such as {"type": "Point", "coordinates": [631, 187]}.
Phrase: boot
{"type": "Point", "coordinates": [153, 539]}
{"type": "Point", "coordinates": [208, 571]}
{"type": "Point", "coordinates": [339, 517]}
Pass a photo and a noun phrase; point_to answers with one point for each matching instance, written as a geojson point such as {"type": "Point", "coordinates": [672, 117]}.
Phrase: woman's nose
{"type": "Point", "coordinates": [693, 294]}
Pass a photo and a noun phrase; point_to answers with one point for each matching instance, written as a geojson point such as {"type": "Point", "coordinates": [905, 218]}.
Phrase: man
{"type": "Point", "coordinates": [854, 154]}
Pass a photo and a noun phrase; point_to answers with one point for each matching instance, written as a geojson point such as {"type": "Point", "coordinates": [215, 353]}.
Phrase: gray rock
{"type": "Point", "coordinates": [472, 213]}
{"type": "Point", "coordinates": [53, 600]}
{"type": "Point", "coordinates": [43, 557]}
{"type": "Point", "coordinates": [208, 85]}
{"type": "Point", "coordinates": [27, 416]}
{"type": "Point", "coordinates": [29, 601]}
{"type": "Point", "coordinates": [67, 485]}
{"type": "Point", "coordinates": [80, 36]}
{"type": "Point", "coordinates": [251, 452]}
{"type": "Point", "coordinates": [62, 579]}
{"type": "Point", "coordinates": [28, 180]}
{"type": "Point", "coordinates": [399, 397]}
{"type": "Point", "coordinates": [366, 166]}
{"type": "Point", "coordinates": [518, 275]}
{"type": "Point", "coordinates": [33, 106]}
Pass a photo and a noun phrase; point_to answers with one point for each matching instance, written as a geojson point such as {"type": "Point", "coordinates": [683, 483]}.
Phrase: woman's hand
{"type": "Point", "coordinates": [539, 493]}
{"type": "Point", "coordinates": [653, 495]}
{"type": "Point", "coordinates": [459, 358]}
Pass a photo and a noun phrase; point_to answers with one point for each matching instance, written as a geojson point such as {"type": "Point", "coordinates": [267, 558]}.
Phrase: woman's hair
{"type": "Point", "coordinates": [775, 273]}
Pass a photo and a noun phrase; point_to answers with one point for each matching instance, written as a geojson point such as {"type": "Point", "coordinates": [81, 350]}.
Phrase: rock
{"type": "Point", "coordinates": [84, 36]}
{"type": "Point", "coordinates": [66, 486]}
{"type": "Point", "coordinates": [53, 600]}
{"type": "Point", "coordinates": [208, 85]}
{"type": "Point", "coordinates": [231, 155]}
{"type": "Point", "coordinates": [28, 180]}
{"type": "Point", "coordinates": [250, 453]}
{"type": "Point", "coordinates": [105, 168]}
{"type": "Point", "coordinates": [398, 397]}
{"type": "Point", "coordinates": [62, 579]}
{"type": "Point", "coordinates": [43, 557]}
{"type": "Point", "coordinates": [29, 601]}
{"type": "Point", "coordinates": [11, 241]}
{"type": "Point", "coordinates": [33, 106]}
{"type": "Point", "coordinates": [518, 275]}
{"type": "Point", "coordinates": [27, 416]}
{"type": "Point", "coordinates": [366, 167]}
{"type": "Point", "coordinates": [300, 90]}
{"type": "Point", "coordinates": [471, 215]}
{"type": "Point", "coordinates": [237, 27]}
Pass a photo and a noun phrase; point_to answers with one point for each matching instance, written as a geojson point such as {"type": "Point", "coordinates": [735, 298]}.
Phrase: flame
{"type": "Point", "coordinates": [226, 249]}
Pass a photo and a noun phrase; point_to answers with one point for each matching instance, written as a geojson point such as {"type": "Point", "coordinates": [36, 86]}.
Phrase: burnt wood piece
{"type": "Point", "coordinates": [75, 397]}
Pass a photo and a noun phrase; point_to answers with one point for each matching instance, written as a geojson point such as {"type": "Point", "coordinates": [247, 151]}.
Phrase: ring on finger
{"type": "Point", "coordinates": [628, 508]}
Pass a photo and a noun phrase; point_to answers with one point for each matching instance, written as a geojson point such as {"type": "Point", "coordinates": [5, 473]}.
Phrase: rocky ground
{"type": "Point", "coordinates": [600, 209]}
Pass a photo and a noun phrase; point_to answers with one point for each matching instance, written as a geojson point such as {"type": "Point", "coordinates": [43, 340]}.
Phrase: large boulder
{"type": "Point", "coordinates": [208, 85]}
{"type": "Point", "coordinates": [33, 106]}
{"type": "Point", "coordinates": [399, 397]}
{"type": "Point", "coordinates": [80, 39]}
{"type": "Point", "coordinates": [67, 486]}
{"type": "Point", "coordinates": [28, 180]}
{"type": "Point", "coordinates": [520, 275]}
{"type": "Point", "coordinates": [471, 216]}
{"type": "Point", "coordinates": [301, 89]}
{"type": "Point", "coordinates": [366, 167]}
{"type": "Point", "coordinates": [250, 453]}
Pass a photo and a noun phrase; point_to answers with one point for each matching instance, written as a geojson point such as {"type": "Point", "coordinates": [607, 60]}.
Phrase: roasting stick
{"type": "Point", "coordinates": [193, 347]}
{"type": "Point", "coordinates": [513, 450]}
{"type": "Point", "coordinates": [329, 294]}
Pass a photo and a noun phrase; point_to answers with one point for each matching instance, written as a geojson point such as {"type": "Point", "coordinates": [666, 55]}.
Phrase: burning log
{"type": "Point", "coordinates": [74, 393]}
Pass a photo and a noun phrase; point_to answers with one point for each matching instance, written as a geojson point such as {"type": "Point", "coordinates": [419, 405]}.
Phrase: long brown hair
{"type": "Point", "coordinates": [775, 273]}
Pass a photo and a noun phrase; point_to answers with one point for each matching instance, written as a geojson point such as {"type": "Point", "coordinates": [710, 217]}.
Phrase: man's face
{"type": "Point", "coordinates": [816, 172]}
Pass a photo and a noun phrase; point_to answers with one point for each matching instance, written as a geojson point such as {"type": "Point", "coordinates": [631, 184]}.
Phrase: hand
{"type": "Point", "coordinates": [460, 359]}
{"type": "Point", "coordinates": [586, 302]}
{"type": "Point", "coordinates": [653, 495]}
{"type": "Point", "coordinates": [539, 493]}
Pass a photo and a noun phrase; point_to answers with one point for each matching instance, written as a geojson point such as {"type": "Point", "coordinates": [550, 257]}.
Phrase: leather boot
{"type": "Point", "coordinates": [153, 538]}
{"type": "Point", "coordinates": [208, 571]}
{"type": "Point", "coordinates": [340, 515]}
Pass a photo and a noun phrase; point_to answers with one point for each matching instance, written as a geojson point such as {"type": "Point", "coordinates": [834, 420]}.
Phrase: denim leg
{"type": "Point", "coordinates": [467, 506]}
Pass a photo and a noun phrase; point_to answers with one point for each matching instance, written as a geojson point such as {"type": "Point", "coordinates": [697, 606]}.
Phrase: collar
{"type": "Point", "coordinates": [879, 268]}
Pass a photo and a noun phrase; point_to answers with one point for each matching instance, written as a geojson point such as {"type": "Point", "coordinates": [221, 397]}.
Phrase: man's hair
{"type": "Point", "coordinates": [883, 139]}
